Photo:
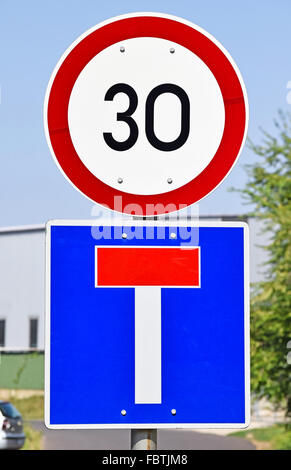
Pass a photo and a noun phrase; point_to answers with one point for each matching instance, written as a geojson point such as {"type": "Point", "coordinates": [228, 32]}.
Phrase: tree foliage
{"type": "Point", "coordinates": [269, 191]}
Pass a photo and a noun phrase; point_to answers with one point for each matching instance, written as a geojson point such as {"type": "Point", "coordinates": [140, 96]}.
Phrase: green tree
{"type": "Point", "coordinates": [269, 191]}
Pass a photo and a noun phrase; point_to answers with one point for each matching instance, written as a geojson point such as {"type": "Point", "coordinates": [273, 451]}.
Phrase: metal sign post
{"type": "Point", "coordinates": [144, 439]}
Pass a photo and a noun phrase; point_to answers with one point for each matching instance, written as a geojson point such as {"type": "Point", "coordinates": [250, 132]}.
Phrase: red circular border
{"type": "Point", "coordinates": [134, 27]}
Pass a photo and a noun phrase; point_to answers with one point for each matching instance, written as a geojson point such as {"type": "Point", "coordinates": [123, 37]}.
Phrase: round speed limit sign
{"type": "Point", "coordinates": [146, 109]}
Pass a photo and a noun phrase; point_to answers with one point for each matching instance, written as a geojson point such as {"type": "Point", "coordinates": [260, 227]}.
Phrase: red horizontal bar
{"type": "Point", "coordinates": [154, 266]}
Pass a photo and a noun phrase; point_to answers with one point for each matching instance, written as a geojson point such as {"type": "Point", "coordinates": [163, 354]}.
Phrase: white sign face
{"type": "Point", "coordinates": [145, 93]}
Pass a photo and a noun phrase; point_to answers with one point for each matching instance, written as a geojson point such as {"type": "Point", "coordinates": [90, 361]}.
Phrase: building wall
{"type": "Point", "coordinates": [22, 258]}
{"type": "Point", "coordinates": [22, 277]}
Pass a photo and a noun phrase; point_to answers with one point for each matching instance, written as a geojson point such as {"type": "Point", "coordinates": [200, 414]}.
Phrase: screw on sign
{"type": "Point", "coordinates": [146, 113]}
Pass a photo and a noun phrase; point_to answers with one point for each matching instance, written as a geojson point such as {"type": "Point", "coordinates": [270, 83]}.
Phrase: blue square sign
{"type": "Point", "coordinates": [147, 325]}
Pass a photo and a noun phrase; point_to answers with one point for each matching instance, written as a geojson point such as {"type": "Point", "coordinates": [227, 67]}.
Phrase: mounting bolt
{"type": "Point", "coordinates": [123, 412]}
{"type": "Point", "coordinates": [120, 180]}
{"type": "Point", "coordinates": [124, 235]}
{"type": "Point", "coordinates": [122, 49]}
{"type": "Point", "coordinates": [173, 236]}
{"type": "Point", "coordinates": [173, 411]}
{"type": "Point", "coordinates": [172, 50]}
{"type": "Point", "coordinates": [169, 180]}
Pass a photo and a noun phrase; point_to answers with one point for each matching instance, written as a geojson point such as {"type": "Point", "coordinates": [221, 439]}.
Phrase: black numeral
{"type": "Point", "coordinates": [149, 117]}
{"type": "Point", "coordinates": [185, 117]}
{"type": "Point", "coordinates": [125, 116]}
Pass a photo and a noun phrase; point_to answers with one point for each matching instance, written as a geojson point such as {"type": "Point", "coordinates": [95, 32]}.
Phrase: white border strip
{"type": "Point", "coordinates": [247, 323]}
{"type": "Point", "coordinates": [163, 223]}
{"type": "Point", "coordinates": [47, 315]}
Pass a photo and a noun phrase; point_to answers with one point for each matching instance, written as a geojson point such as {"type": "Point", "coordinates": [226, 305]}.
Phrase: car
{"type": "Point", "coordinates": [11, 427]}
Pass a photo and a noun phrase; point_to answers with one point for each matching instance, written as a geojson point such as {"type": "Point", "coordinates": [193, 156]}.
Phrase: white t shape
{"type": "Point", "coordinates": [148, 339]}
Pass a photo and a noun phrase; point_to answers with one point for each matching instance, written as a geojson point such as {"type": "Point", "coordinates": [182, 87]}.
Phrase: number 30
{"type": "Point", "coordinates": [149, 111]}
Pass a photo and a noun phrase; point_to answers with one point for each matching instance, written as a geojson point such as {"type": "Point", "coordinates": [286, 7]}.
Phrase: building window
{"type": "Point", "coordinates": [33, 327]}
{"type": "Point", "coordinates": [2, 333]}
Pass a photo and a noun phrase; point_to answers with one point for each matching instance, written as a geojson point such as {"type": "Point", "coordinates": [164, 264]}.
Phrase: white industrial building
{"type": "Point", "coordinates": [22, 281]}
{"type": "Point", "coordinates": [22, 255]}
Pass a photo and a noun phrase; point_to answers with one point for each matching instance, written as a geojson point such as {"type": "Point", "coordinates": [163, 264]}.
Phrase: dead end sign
{"type": "Point", "coordinates": [147, 331]}
{"type": "Point", "coordinates": [146, 113]}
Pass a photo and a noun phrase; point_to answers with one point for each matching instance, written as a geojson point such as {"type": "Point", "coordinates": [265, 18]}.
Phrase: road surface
{"type": "Point", "coordinates": [119, 439]}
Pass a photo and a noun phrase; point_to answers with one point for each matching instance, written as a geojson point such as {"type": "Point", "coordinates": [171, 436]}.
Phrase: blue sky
{"type": "Point", "coordinates": [33, 36]}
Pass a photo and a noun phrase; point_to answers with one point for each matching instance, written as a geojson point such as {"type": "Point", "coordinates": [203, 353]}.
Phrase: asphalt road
{"type": "Point", "coordinates": [119, 439]}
